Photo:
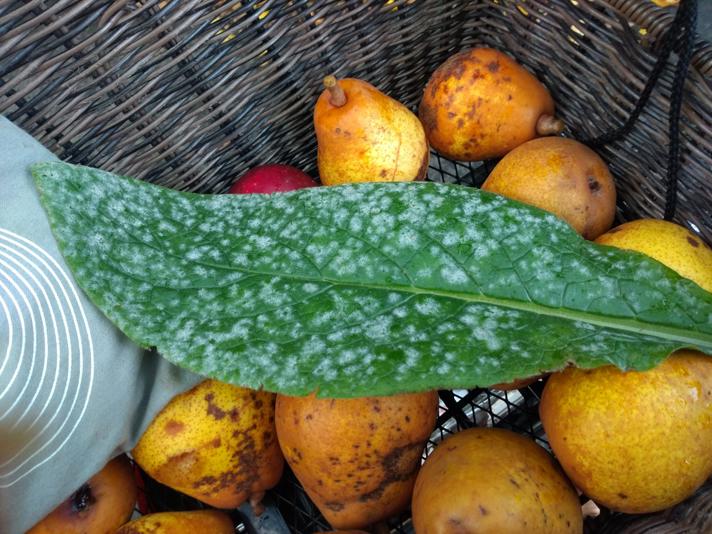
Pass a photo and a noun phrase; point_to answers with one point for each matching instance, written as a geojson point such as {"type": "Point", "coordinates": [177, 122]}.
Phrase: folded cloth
{"type": "Point", "coordinates": [74, 391]}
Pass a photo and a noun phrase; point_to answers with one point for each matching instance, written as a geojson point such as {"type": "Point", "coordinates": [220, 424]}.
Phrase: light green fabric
{"type": "Point", "coordinates": [74, 391]}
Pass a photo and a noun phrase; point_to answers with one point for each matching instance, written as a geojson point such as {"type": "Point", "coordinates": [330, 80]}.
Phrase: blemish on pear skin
{"type": "Point", "coordinates": [423, 169]}
{"type": "Point", "coordinates": [213, 409]}
{"type": "Point", "coordinates": [454, 66]}
{"type": "Point", "coordinates": [399, 465]}
{"type": "Point", "coordinates": [450, 115]}
{"type": "Point", "coordinates": [433, 90]}
{"type": "Point", "coordinates": [460, 123]}
{"type": "Point", "coordinates": [493, 66]}
{"type": "Point", "coordinates": [483, 510]}
{"type": "Point", "coordinates": [174, 427]}
{"type": "Point", "coordinates": [692, 241]}
{"type": "Point", "coordinates": [334, 506]}
{"type": "Point", "coordinates": [428, 117]}
{"type": "Point", "coordinates": [593, 184]}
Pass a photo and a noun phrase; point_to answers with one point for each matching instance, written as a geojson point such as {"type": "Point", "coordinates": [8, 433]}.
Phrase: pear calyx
{"type": "Point", "coordinates": [549, 125]}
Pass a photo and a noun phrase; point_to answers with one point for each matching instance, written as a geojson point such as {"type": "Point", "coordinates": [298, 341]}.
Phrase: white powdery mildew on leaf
{"type": "Point", "coordinates": [327, 288]}
{"type": "Point", "coordinates": [427, 306]}
{"type": "Point", "coordinates": [454, 274]}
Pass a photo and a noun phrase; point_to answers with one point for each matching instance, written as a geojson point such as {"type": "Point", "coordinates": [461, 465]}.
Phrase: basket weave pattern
{"type": "Point", "coordinates": [190, 94]}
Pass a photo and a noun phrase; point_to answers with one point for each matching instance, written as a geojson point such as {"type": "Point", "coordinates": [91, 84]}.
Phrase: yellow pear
{"type": "Point", "coordinates": [216, 442]}
{"type": "Point", "coordinates": [364, 135]}
{"type": "Point", "coordinates": [562, 176]}
{"type": "Point", "coordinates": [636, 442]}
{"type": "Point", "coordinates": [489, 480]}
{"type": "Point", "coordinates": [195, 522]}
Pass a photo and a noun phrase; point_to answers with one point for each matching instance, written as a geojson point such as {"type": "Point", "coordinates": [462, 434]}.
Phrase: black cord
{"type": "Point", "coordinates": [686, 44]}
{"type": "Point", "coordinates": [680, 37]}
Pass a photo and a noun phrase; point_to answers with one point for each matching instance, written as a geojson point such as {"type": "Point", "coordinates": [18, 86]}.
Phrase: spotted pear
{"type": "Point", "coordinates": [357, 459]}
{"type": "Point", "coordinates": [217, 443]}
{"type": "Point", "coordinates": [481, 104]}
{"type": "Point", "coordinates": [364, 135]}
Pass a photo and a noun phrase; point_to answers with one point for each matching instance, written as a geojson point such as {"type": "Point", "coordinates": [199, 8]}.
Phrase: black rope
{"type": "Point", "coordinates": [679, 37]}
{"type": "Point", "coordinates": [687, 41]}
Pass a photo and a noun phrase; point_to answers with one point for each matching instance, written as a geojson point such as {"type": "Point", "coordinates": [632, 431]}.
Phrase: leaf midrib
{"type": "Point", "coordinates": [696, 338]}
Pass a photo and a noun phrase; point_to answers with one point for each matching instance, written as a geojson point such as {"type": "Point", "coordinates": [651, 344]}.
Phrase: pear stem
{"type": "Point", "coordinates": [549, 125]}
{"type": "Point", "coordinates": [256, 503]}
{"type": "Point", "coordinates": [337, 97]}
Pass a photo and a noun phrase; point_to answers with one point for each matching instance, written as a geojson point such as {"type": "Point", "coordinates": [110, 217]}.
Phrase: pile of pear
{"type": "Point", "coordinates": [635, 442]}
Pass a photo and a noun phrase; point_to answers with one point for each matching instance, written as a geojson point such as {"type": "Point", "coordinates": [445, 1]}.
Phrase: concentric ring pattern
{"type": "Point", "coordinates": [46, 357]}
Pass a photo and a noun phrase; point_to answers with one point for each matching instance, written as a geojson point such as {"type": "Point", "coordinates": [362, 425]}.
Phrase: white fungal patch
{"type": "Point", "coordinates": [356, 225]}
{"type": "Point", "coordinates": [400, 312]}
{"type": "Point", "coordinates": [310, 287]}
{"type": "Point", "coordinates": [428, 306]}
{"type": "Point", "coordinates": [454, 275]}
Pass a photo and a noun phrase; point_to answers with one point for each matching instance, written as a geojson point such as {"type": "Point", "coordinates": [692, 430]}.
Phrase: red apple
{"type": "Point", "coordinates": [101, 505]}
{"type": "Point", "coordinates": [273, 178]}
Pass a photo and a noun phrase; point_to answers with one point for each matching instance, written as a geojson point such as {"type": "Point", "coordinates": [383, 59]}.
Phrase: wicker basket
{"type": "Point", "coordinates": [190, 94]}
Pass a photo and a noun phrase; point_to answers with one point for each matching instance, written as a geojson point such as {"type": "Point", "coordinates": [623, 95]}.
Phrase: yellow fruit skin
{"type": "Point", "coordinates": [636, 442]}
{"type": "Point", "coordinates": [197, 522]}
{"type": "Point", "coordinates": [371, 138]}
{"type": "Point", "coordinates": [112, 496]}
{"type": "Point", "coordinates": [494, 481]}
{"type": "Point", "coordinates": [481, 104]}
{"type": "Point", "coordinates": [561, 176]}
{"type": "Point", "coordinates": [357, 459]}
{"type": "Point", "coordinates": [216, 442]}
{"type": "Point", "coordinates": [669, 243]}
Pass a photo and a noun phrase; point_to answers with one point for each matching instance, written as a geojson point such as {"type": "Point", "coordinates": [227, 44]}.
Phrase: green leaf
{"type": "Point", "coordinates": [367, 289]}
